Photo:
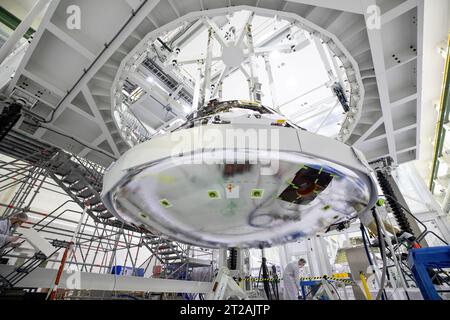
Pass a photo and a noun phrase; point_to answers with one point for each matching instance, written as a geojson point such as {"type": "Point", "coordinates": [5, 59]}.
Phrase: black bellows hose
{"type": "Point", "coordinates": [232, 259]}
{"type": "Point", "coordinates": [382, 251]}
{"type": "Point", "coordinates": [392, 201]}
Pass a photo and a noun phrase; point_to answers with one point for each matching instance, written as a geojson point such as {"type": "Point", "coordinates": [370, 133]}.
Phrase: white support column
{"type": "Point", "coordinates": [241, 35]}
{"type": "Point", "coordinates": [284, 259]}
{"type": "Point", "coordinates": [254, 85]}
{"type": "Point", "coordinates": [74, 237]}
{"type": "Point", "coordinates": [323, 252]}
{"type": "Point", "coordinates": [273, 92]}
{"type": "Point", "coordinates": [212, 25]}
{"type": "Point", "coordinates": [320, 256]}
{"type": "Point", "coordinates": [314, 267]}
{"type": "Point", "coordinates": [197, 88]}
{"type": "Point", "coordinates": [423, 194]}
{"type": "Point", "coordinates": [222, 262]}
{"type": "Point", "coordinates": [21, 29]}
{"type": "Point", "coordinates": [324, 58]}
{"type": "Point", "coordinates": [218, 85]}
{"type": "Point", "coordinates": [220, 91]}
{"type": "Point", "coordinates": [207, 73]}
{"type": "Point", "coordinates": [397, 266]}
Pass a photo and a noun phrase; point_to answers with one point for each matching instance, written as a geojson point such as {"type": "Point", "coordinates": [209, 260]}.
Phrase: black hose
{"type": "Point", "coordinates": [366, 248]}
{"type": "Point", "coordinates": [383, 253]}
{"type": "Point", "coordinates": [393, 203]}
{"type": "Point", "coordinates": [366, 240]}
{"type": "Point", "coordinates": [420, 222]}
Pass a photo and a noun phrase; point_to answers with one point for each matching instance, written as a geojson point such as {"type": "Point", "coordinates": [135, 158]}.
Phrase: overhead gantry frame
{"type": "Point", "coordinates": [386, 123]}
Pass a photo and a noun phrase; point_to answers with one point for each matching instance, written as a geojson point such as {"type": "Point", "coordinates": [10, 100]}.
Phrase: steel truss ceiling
{"type": "Point", "coordinates": [69, 73]}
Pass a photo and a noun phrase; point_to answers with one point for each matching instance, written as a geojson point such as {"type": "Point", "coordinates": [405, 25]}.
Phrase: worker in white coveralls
{"type": "Point", "coordinates": [7, 227]}
{"type": "Point", "coordinates": [291, 279]}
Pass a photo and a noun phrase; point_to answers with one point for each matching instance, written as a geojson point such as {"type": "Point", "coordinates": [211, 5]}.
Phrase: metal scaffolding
{"type": "Point", "coordinates": [96, 241]}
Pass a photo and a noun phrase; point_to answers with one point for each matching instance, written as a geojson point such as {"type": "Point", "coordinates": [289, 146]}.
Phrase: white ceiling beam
{"type": "Point", "coordinates": [59, 132]}
{"type": "Point", "coordinates": [380, 156]}
{"type": "Point", "coordinates": [81, 112]}
{"type": "Point", "coordinates": [21, 29]}
{"type": "Point", "coordinates": [322, 54]}
{"type": "Point", "coordinates": [191, 31]}
{"type": "Point", "coordinates": [383, 136]}
{"type": "Point", "coordinates": [369, 131]}
{"type": "Point", "coordinates": [134, 4]}
{"type": "Point", "coordinates": [38, 98]}
{"type": "Point", "coordinates": [174, 8]}
{"type": "Point", "coordinates": [36, 37]}
{"type": "Point", "coordinates": [99, 119]}
{"type": "Point", "coordinates": [83, 153]}
{"type": "Point", "coordinates": [368, 142]}
{"type": "Point", "coordinates": [193, 61]}
{"type": "Point", "coordinates": [302, 95]}
{"type": "Point", "coordinates": [70, 41]}
{"type": "Point", "coordinates": [244, 72]}
{"type": "Point", "coordinates": [55, 90]}
{"type": "Point", "coordinates": [273, 35]}
{"type": "Point", "coordinates": [108, 52]}
{"type": "Point", "coordinates": [241, 35]}
{"type": "Point", "coordinates": [326, 117]}
{"type": "Point", "coordinates": [219, 81]}
{"type": "Point", "coordinates": [404, 100]}
{"type": "Point", "coordinates": [325, 61]}
{"type": "Point", "coordinates": [311, 107]}
{"type": "Point", "coordinates": [152, 20]}
{"type": "Point", "coordinates": [376, 45]}
{"type": "Point", "coordinates": [407, 149]}
{"type": "Point", "coordinates": [421, 67]}
{"type": "Point", "coordinates": [217, 34]}
{"type": "Point", "coordinates": [319, 112]}
{"type": "Point", "coordinates": [354, 6]}
{"type": "Point", "coordinates": [282, 48]}
{"type": "Point", "coordinates": [43, 83]}
{"type": "Point", "coordinates": [398, 11]}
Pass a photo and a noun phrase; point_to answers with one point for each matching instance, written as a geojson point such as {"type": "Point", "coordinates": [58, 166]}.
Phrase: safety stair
{"type": "Point", "coordinates": [23, 148]}
{"type": "Point", "coordinates": [10, 280]}
{"type": "Point", "coordinates": [174, 257]}
{"type": "Point", "coordinates": [170, 253]}
{"type": "Point", "coordinates": [82, 181]}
